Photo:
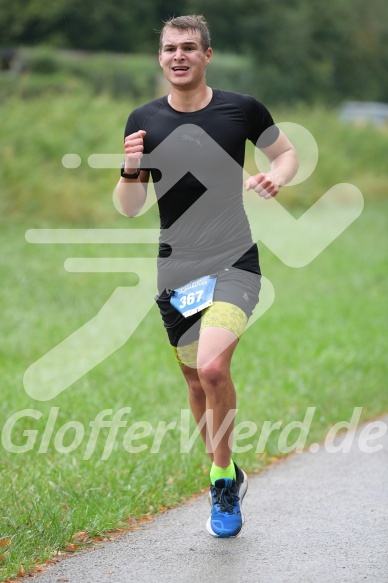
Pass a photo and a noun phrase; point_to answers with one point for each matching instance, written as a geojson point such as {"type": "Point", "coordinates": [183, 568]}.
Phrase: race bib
{"type": "Point", "coordinates": [194, 296]}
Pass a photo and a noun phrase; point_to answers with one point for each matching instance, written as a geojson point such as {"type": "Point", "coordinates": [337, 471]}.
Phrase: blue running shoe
{"type": "Point", "coordinates": [226, 496]}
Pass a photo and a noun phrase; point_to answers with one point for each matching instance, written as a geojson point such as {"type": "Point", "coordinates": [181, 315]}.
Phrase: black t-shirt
{"type": "Point", "coordinates": [196, 161]}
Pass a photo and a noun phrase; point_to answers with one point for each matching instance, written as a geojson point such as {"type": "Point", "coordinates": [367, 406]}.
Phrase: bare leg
{"type": "Point", "coordinates": [215, 351]}
{"type": "Point", "coordinates": [197, 400]}
{"type": "Point", "coordinates": [212, 393]}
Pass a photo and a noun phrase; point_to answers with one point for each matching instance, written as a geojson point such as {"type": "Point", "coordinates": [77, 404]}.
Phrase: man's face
{"type": "Point", "coordinates": [182, 57]}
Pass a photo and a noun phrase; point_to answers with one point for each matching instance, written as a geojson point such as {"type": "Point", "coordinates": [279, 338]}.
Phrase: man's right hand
{"type": "Point", "coordinates": [133, 148]}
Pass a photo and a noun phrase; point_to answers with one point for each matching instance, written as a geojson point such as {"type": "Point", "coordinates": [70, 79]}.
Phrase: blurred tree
{"type": "Point", "coordinates": [306, 50]}
{"type": "Point", "coordinates": [118, 25]}
{"type": "Point", "coordinates": [302, 50]}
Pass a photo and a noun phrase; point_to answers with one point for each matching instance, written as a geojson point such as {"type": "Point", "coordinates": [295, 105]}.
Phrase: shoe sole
{"type": "Point", "coordinates": [243, 491]}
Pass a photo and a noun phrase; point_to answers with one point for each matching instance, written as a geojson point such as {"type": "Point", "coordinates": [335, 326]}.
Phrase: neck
{"type": "Point", "coordinates": [190, 100]}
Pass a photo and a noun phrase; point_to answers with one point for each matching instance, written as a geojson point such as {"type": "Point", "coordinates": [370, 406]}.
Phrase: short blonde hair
{"type": "Point", "coordinates": [194, 22]}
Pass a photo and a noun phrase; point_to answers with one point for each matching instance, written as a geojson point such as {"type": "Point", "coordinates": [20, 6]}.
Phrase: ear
{"type": "Point", "coordinates": [209, 54]}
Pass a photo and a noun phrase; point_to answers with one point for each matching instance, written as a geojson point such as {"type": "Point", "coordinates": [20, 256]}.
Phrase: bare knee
{"type": "Point", "coordinates": [214, 375]}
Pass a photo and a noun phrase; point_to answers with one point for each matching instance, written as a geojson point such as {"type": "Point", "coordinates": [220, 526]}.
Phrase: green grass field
{"type": "Point", "coordinates": [322, 343]}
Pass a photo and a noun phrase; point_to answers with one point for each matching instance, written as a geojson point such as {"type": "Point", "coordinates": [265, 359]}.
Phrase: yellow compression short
{"type": "Point", "coordinates": [219, 315]}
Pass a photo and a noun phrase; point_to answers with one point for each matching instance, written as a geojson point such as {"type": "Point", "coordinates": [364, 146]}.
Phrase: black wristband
{"type": "Point", "coordinates": [132, 176]}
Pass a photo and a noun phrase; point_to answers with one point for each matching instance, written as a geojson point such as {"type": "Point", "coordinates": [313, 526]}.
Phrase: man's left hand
{"type": "Point", "coordinates": [265, 185]}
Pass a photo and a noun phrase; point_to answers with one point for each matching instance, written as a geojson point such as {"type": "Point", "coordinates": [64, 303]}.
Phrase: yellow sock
{"type": "Point", "coordinates": [217, 473]}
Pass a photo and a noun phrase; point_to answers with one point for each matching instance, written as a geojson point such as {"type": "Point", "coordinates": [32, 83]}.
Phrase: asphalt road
{"type": "Point", "coordinates": [316, 517]}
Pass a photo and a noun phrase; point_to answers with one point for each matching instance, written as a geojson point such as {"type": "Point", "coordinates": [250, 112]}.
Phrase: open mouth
{"type": "Point", "coordinates": [181, 68]}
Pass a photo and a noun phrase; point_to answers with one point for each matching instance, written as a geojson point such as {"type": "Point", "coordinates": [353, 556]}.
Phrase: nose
{"type": "Point", "coordinates": [178, 54]}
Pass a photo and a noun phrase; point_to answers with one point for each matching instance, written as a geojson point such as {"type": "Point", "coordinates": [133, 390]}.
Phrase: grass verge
{"type": "Point", "coordinates": [321, 345]}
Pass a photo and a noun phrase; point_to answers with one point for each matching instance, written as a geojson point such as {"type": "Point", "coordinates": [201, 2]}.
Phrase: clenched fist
{"type": "Point", "coordinates": [133, 148]}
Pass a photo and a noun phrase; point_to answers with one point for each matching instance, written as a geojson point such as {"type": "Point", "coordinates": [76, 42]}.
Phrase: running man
{"type": "Point", "coordinates": [208, 265]}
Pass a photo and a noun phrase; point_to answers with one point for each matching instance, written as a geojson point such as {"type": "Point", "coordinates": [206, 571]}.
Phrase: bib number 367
{"type": "Point", "coordinates": [194, 296]}
{"type": "Point", "coordinates": [191, 298]}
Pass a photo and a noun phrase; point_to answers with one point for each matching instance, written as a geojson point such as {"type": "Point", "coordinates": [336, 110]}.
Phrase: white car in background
{"type": "Point", "coordinates": [364, 113]}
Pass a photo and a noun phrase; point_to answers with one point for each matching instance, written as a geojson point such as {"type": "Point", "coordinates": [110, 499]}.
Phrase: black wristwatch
{"type": "Point", "coordinates": [133, 175]}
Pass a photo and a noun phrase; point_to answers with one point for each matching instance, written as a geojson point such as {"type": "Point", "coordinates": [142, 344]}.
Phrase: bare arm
{"type": "Point", "coordinates": [284, 166]}
{"type": "Point", "coordinates": [132, 193]}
